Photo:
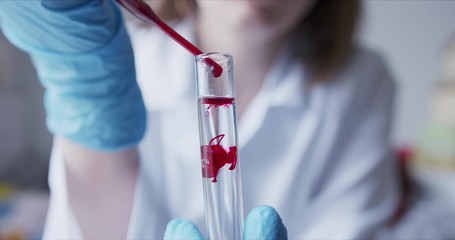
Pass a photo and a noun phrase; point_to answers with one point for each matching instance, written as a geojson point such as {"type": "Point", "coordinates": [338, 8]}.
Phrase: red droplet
{"type": "Point", "coordinates": [232, 157]}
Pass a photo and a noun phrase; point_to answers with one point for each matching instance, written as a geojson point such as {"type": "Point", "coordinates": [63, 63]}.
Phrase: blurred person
{"type": "Point", "coordinates": [314, 110]}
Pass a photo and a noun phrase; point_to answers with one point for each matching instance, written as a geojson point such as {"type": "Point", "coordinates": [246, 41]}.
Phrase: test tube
{"type": "Point", "coordinates": [221, 178]}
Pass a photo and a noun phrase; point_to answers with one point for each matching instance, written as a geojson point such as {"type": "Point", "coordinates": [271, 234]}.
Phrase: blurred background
{"type": "Point", "coordinates": [417, 39]}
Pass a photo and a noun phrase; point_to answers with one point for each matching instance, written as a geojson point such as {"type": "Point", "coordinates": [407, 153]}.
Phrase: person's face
{"type": "Point", "coordinates": [261, 16]}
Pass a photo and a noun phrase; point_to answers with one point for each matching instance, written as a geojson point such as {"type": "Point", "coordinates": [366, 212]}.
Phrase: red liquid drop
{"type": "Point", "coordinates": [143, 11]}
{"type": "Point", "coordinates": [214, 157]}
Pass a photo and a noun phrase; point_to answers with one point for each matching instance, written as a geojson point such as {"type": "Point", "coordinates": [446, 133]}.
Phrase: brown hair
{"type": "Point", "coordinates": [323, 39]}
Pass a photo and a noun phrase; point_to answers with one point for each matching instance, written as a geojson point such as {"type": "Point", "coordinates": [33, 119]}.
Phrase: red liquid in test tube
{"type": "Point", "coordinates": [219, 149]}
{"type": "Point", "coordinates": [214, 155]}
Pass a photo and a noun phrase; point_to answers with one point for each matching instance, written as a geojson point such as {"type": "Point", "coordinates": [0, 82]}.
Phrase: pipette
{"type": "Point", "coordinates": [141, 10]}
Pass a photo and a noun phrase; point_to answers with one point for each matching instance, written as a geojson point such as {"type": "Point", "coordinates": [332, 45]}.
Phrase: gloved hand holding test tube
{"type": "Point", "coordinates": [60, 48]}
{"type": "Point", "coordinates": [312, 105]}
{"type": "Point", "coordinates": [217, 124]}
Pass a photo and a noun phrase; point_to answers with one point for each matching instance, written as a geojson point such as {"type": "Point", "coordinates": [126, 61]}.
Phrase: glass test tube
{"type": "Point", "coordinates": [219, 159]}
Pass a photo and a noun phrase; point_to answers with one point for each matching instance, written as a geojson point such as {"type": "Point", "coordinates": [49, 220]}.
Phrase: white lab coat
{"type": "Point", "coordinates": [321, 157]}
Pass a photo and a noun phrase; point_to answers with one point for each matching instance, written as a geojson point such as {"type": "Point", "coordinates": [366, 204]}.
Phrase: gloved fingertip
{"type": "Point", "coordinates": [182, 229]}
{"type": "Point", "coordinates": [264, 222]}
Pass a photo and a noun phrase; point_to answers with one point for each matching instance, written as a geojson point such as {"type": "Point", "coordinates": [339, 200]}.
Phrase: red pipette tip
{"type": "Point", "coordinates": [217, 70]}
{"type": "Point", "coordinates": [141, 10]}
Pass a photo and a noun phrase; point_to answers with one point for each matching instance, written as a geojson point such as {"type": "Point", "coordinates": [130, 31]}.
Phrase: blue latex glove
{"type": "Point", "coordinates": [182, 229]}
{"type": "Point", "coordinates": [262, 222]}
{"type": "Point", "coordinates": [84, 59]}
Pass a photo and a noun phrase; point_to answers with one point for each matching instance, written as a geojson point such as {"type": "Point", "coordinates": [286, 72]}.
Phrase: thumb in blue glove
{"type": "Point", "coordinates": [263, 222]}
{"type": "Point", "coordinates": [179, 229]}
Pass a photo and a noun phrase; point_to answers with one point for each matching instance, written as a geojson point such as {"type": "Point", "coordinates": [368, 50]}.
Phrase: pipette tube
{"type": "Point", "coordinates": [142, 10]}
{"type": "Point", "coordinates": [220, 165]}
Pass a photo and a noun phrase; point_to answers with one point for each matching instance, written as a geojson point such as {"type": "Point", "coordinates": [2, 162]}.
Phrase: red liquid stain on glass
{"type": "Point", "coordinates": [214, 157]}
{"type": "Point", "coordinates": [217, 102]}
{"type": "Point", "coordinates": [143, 11]}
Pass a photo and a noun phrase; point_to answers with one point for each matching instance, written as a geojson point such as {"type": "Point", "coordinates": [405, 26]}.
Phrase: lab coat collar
{"type": "Point", "coordinates": [285, 81]}
{"type": "Point", "coordinates": [282, 88]}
